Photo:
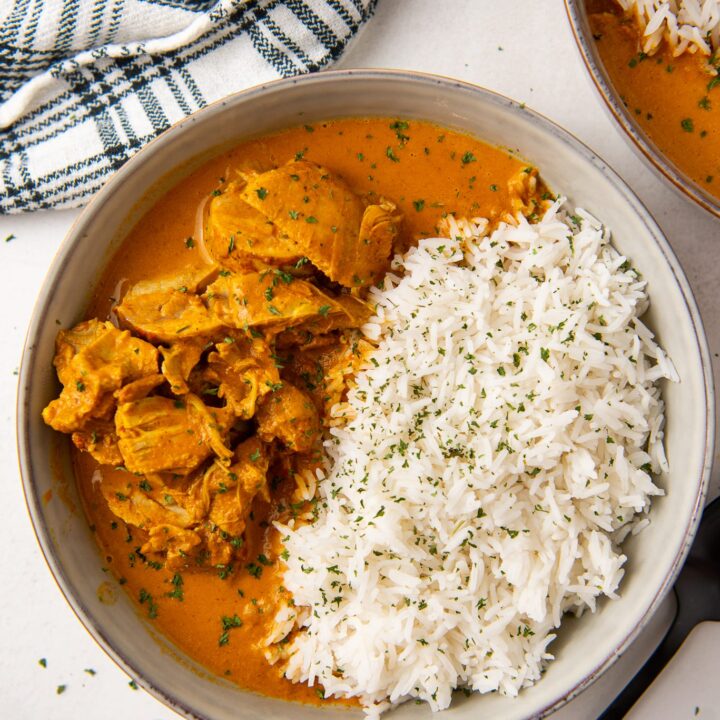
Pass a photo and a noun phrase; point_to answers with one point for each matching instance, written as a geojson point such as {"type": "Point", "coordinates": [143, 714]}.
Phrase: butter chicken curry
{"type": "Point", "coordinates": [675, 100]}
{"type": "Point", "coordinates": [199, 387]}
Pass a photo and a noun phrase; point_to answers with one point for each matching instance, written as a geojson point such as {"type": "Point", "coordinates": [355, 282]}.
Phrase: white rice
{"type": "Point", "coordinates": [687, 25]}
{"type": "Point", "coordinates": [497, 451]}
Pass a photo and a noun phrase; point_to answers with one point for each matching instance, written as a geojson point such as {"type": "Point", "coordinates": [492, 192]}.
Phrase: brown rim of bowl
{"type": "Point", "coordinates": [29, 359]}
{"type": "Point", "coordinates": [577, 15]}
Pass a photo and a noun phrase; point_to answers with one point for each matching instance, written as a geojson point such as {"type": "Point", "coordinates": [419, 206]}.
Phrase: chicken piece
{"type": "Point", "coordinates": [237, 235]}
{"type": "Point", "coordinates": [243, 370]}
{"type": "Point", "coordinates": [178, 361]}
{"type": "Point", "coordinates": [139, 389]}
{"type": "Point", "coordinates": [179, 545]}
{"type": "Point", "coordinates": [157, 434]}
{"type": "Point", "coordinates": [100, 440]}
{"type": "Point", "coordinates": [289, 415]}
{"type": "Point", "coordinates": [149, 501]}
{"type": "Point", "coordinates": [93, 361]}
{"type": "Point", "coordinates": [326, 220]}
{"type": "Point", "coordinates": [266, 300]}
{"type": "Point", "coordinates": [187, 518]}
{"type": "Point", "coordinates": [325, 372]}
{"type": "Point", "coordinates": [313, 332]}
{"type": "Point", "coordinates": [166, 315]}
{"type": "Point", "coordinates": [70, 342]}
{"type": "Point", "coordinates": [193, 280]}
{"type": "Point", "coordinates": [211, 424]}
{"type": "Point", "coordinates": [522, 187]}
{"type": "Point", "coordinates": [231, 490]}
{"type": "Point", "coordinates": [172, 513]}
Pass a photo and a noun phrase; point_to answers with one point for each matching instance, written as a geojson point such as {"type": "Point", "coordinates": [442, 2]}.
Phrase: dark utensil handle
{"type": "Point", "coordinates": [644, 677]}
{"type": "Point", "coordinates": [698, 598]}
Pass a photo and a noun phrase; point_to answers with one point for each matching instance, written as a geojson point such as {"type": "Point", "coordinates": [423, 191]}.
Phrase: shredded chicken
{"type": "Point", "coordinates": [198, 433]}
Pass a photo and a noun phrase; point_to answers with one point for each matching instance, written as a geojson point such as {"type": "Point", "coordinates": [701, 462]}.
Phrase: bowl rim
{"type": "Point", "coordinates": [682, 182]}
{"type": "Point", "coordinates": [33, 499]}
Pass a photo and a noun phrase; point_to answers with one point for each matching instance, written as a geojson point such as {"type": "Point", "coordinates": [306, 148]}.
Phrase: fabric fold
{"type": "Point", "coordinates": [84, 84]}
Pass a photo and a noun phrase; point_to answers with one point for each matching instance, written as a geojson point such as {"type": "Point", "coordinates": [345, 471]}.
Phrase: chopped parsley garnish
{"type": "Point", "coordinates": [177, 592]}
{"type": "Point", "coordinates": [467, 158]}
{"type": "Point", "coordinates": [228, 623]}
{"type": "Point", "coordinates": [152, 608]}
{"type": "Point", "coordinates": [390, 153]}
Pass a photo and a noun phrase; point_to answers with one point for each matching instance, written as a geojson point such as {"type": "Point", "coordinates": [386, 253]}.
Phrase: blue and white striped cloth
{"type": "Point", "coordinates": [85, 83]}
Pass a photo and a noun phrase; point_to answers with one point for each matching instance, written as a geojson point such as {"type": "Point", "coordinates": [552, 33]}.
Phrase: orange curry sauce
{"type": "Point", "coordinates": [427, 171]}
{"type": "Point", "coordinates": [669, 97]}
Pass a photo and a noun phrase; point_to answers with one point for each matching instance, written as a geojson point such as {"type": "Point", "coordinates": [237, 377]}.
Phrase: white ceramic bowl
{"type": "Point", "coordinates": [584, 648]}
{"type": "Point", "coordinates": [634, 133]}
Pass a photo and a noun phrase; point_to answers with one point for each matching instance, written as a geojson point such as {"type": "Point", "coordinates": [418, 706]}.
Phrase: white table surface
{"type": "Point", "coordinates": [522, 48]}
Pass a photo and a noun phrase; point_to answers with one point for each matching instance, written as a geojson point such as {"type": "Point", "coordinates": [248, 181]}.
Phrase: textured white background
{"type": "Point", "coordinates": [522, 48]}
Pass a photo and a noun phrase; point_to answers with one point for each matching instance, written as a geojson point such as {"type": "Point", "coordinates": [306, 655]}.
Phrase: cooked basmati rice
{"type": "Point", "coordinates": [687, 25]}
{"type": "Point", "coordinates": [497, 448]}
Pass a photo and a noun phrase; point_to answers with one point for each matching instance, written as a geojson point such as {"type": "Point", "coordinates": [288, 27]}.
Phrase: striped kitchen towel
{"type": "Point", "coordinates": [84, 84]}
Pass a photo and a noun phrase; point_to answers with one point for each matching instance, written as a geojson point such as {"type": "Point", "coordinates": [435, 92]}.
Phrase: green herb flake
{"type": "Point", "coordinates": [390, 153]}
{"type": "Point", "coordinates": [189, 243]}
{"type": "Point", "coordinates": [177, 593]}
{"type": "Point", "coordinates": [60, 689]}
{"type": "Point", "coordinates": [687, 125]}
{"type": "Point", "coordinates": [468, 158]}
{"type": "Point", "coordinates": [324, 310]}
{"type": "Point", "coordinates": [261, 193]}
{"type": "Point", "coordinates": [419, 204]}
{"type": "Point", "coordinates": [152, 608]}
{"type": "Point", "coordinates": [311, 219]}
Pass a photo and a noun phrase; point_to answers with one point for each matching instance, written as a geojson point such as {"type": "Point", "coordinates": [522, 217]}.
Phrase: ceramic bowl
{"type": "Point", "coordinates": [585, 648]}
{"type": "Point", "coordinates": [578, 13]}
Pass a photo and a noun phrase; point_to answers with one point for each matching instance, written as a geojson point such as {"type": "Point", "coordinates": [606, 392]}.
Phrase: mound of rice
{"type": "Point", "coordinates": [687, 25]}
{"type": "Point", "coordinates": [498, 446]}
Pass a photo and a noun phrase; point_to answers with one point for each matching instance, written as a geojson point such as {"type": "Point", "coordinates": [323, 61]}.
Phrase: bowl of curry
{"type": "Point", "coordinates": [202, 318]}
{"type": "Point", "coordinates": [658, 76]}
